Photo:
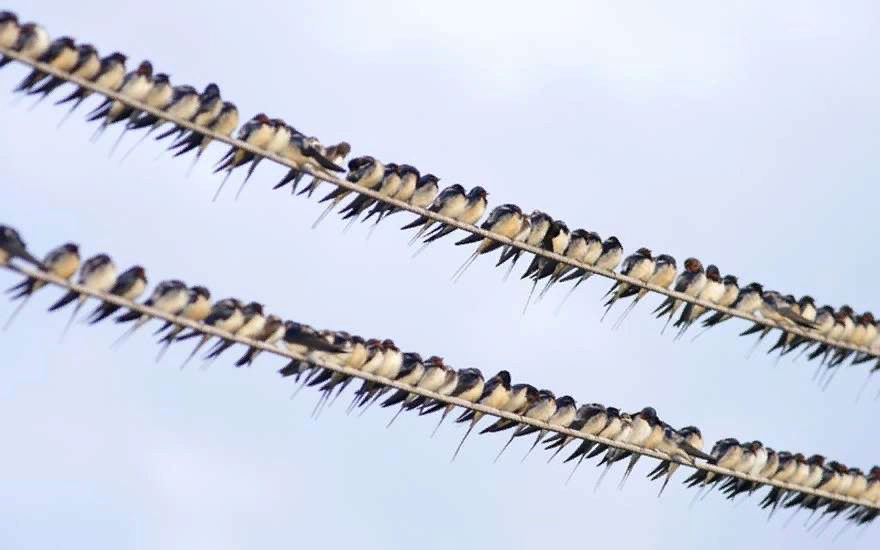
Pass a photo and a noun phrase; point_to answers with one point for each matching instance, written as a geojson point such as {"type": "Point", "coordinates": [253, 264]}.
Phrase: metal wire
{"type": "Point", "coordinates": [154, 313]}
{"type": "Point", "coordinates": [434, 216]}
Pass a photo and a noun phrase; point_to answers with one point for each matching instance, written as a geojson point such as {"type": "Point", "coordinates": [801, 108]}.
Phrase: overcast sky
{"type": "Point", "coordinates": [745, 136]}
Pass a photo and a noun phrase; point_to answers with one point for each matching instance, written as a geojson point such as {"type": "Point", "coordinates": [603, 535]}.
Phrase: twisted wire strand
{"type": "Point", "coordinates": [205, 329]}
{"type": "Point", "coordinates": [866, 350]}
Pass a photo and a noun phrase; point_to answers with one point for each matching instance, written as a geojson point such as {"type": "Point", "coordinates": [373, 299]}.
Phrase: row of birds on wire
{"type": "Point", "coordinates": [404, 182]}
{"type": "Point", "coordinates": [643, 429]}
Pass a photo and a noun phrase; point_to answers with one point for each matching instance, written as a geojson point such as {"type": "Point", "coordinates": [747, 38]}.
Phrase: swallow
{"type": "Point", "coordinates": [210, 103]}
{"type": "Point", "coordinates": [168, 297]}
{"type": "Point", "coordinates": [87, 67]}
{"type": "Point", "coordinates": [712, 292]}
{"type": "Point", "coordinates": [506, 221]}
{"type": "Point", "coordinates": [862, 334]}
{"type": "Point", "coordinates": [451, 202]}
{"type": "Point", "coordinates": [842, 319]}
{"type": "Point", "coordinates": [303, 340]}
{"type": "Point", "coordinates": [556, 241]}
{"type": "Point", "coordinates": [390, 368]}
{"type": "Point", "coordinates": [615, 423]}
{"type": "Point", "coordinates": [748, 301]}
{"type": "Point", "coordinates": [388, 186]}
{"type": "Point", "coordinates": [776, 308]}
{"type": "Point", "coordinates": [608, 260]}
{"type": "Point", "coordinates": [253, 324]}
{"type": "Point", "coordinates": [110, 75]}
{"type": "Point", "coordinates": [539, 225]}
{"type": "Point", "coordinates": [804, 470]}
{"type": "Point", "coordinates": [9, 29]}
{"type": "Point", "coordinates": [409, 179]}
{"type": "Point", "coordinates": [135, 86]}
{"type": "Point", "coordinates": [647, 432]}
{"type": "Point", "coordinates": [471, 214]}
{"type": "Point", "coordinates": [158, 96]}
{"type": "Point", "coordinates": [273, 331]}
{"type": "Point", "coordinates": [691, 282]}
{"type": "Point", "coordinates": [224, 123]}
{"type": "Point", "coordinates": [542, 405]}
{"type": "Point", "coordinates": [522, 398]}
{"type": "Point", "coordinates": [766, 463]}
{"type": "Point", "coordinates": [307, 153]}
{"type": "Point", "coordinates": [257, 132]}
{"type": "Point", "coordinates": [32, 41]}
{"type": "Point", "coordinates": [410, 371]}
{"type": "Point", "coordinates": [496, 394]}
{"type": "Point", "coordinates": [751, 453]}
{"type": "Point", "coordinates": [98, 273]}
{"type": "Point", "coordinates": [726, 453]}
{"type": "Point", "coordinates": [583, 246]}
{"type": "Point", "coordinates": [183, 104]}
{"type": "Point", "coordinates": [282, 141]}
{"type": "Point", "coordinates": [364, 171]}
{"type": "Point", "coordinates": [589, 419]}
{"type": "Point", "coordinates": [61, 54]}
{"type": "Point", "coordinates": [12, 246]}
{"type": "Point", "coordinates": [226, 315]}
{"type": "Point", "coordinates": [433, 378]}
{"type": "Point", "coordinates": [640, 266]}
{"type": "Point", "coordinates": [807, 308]}
{"type": "Point", "coordinates": [335, 153]}
{"type": "Point", "coordinates": [423, 196]}
{"type": "Point", "coordinates": [788, 464]}
{"type": "Point", "coordinates": [61, 262]}
{"type": "Point", "coordinates": [663, 275]}
{"type": "Point", "coordinates": [694, 438]}
{"type": "Point", "coordinates": [469, 387]}
{"type": "Point", "coordinates": [129, 285]}
{"type": "Point", "coordinates": [825, 322]}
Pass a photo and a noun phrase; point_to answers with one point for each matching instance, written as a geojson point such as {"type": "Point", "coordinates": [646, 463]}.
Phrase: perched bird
{"type": "Point", "coordinates": [539, 225]}
{"type": "Point", "coordinates": [272, 333]}
{"type": "Point", "coordinates": [608, 260]}
{"type": "Point", "coordinates": [334, 153]}
{"type": "Point", "coordinates": [496, 394]}
{"type": "Point", "coordinates": [556, 241]}
{"type": "Point", "coordinates": [423, 195]}
{"type": "Point", "coordinates": [169, 297]}
{"type": "Point", "coordinates": [506, 220]}
{"type": "Point", "coordinates": [388, 187]}
{"type": "Point", "coordinates": [183, 104]}
{"type": "Point", "coordinates": [110, 75]}
{"type": "Point", "coordinates": [31, 43]}
{"type": "Point", "coordinates": [87, 67]}
{"type": "Point", "coordinates": [583, 247]}
{"type": "Point", "coordinates": [712, 292]}
{"type": "Point", "coordinates": [224, 123]}
{"type": "Point", "coordinates": [694, 438]}
{"type": "Point", "coordinates": [159, 96]}
{"type": "Point", "coordinates": [129, 286]}
{"type": "Point", "coordinates": [98, 273]}
{"type": "Point", "coordinates": [210, 103]}
{"type": "Point", "coordinates": [253, 323]}
{"type": "Point", "coordinates": [257, 132]}
{"type": "Point", "coordinates": [61, 54]}
{"type": "Point", "coordinates": [135, 86]}
{"type": "Point", "coordinates": [225, 315]}
{"type": "Point", "coordinates": [450, 202]}
{"type": "Point", "coordinates": [409, 179]}
{"type": "Point", "coordinates": [62, 262]}
{"type": "Point", "coordinates": [664, 273]}
{"type": "Point", "coordinates": [9, 29]}
{"type": "Point", "coordinates": [471, 214]}
{"type": "Point", "coordinates": [434, 376]}
{"type": "Point", "coordinates": [468, 387]}
{"type": "Point", "coordinates": [640, 266]}
{"type": "Point", "coordinates": [12, 246]}
{"type": "Point", "coordinates": [690, 282]}
{"type": "Point", "coordinates": [363, 171]}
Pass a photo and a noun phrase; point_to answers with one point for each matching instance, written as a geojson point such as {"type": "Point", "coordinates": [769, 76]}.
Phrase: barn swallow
{"type": "Point", "coordinates": [183, 104]}
{"type": "Point", "coordinates": [825, 323]}
{"type": "Point", "coordinates": [87, 67]}
{"type": "Point", "coordinates": [647, 432]}
{"type": "Point", "coordinates": [158, 96]}
{"type": "Point", "coordinates": [225, 315]}
{"type": "Point", "coordinates": [61, 54]}
{"type": "Point", "coordinates": [409, 371]}
{"type": "Point", "coordinates": [539, 225]}
{"type": "Point", "coordinates": [253, 324]}
{"type": "Point", "coordinates": [423, 196]}
{"type": "Point", "coordinates": [506, 221]}
{"type": "Point", "coordinates": [335, 153]}
{"type": "Point", "coordinates": [304, 340]}
{"type": "Point", "coordinates": [135, 86]}
{"type": "Point", "coordinates": [842, 318]}
{"type": "Point", "coordinates": [9, 29]}
{"type": "Point", "coordinates": [110, 75]}
{"type": "Point", "coordinates": [608, 260]}
{"type": "Point", "coordinates": [748, 301]}
{"type": "Point", "coordinates": [664, 273]}
{"type": "Point", "coordinates": [97, 273]}
{"type": "Point", "coordinates": [589, 419]}
{"type": "Point", "coordinates": [766, 463]}
{"type": "Point", "coordinates": [364, 171]}
{"type": "Point", "coordinates": [129, 285]}
{"type": "Point", "coordinates": [615, 421]}
{"type": "Point", "coordinates": [32, 41]}
{"type": "Point", "coordinates": [564, 413]}
{"type": "Point", "coordinates": [495, 394]}
{"type": "Point", "coordinates": [435, 376]}
{"type": "Point", "coordinates": [694, 438]}
{"type": "Point", "coordinates": [691, 281]}
{"type": "Point", "coordinates": [804, 470]}
{"type": "Point", "coordinates": [409, 178]}
{"type": "Point", "coordinates": [224, 123]}
{"type": "Point", "coordinates": [390, 367]}
{"type": "Point", "coordinates": [284, 138]}
{"type": "Point", "coordinates": [638, 266]}
{"type": "Point", "coordinates": [257, 132]}
{"type": "Point", "coordinates": [542, 406]}
{"type": "Point", "coordinates": [470, 215]}
{"type": "Point", "coordinates": [861, 335]}
{"type": "Point", "coordinates": [583, 246]}
{"type": "Point", "coordinates": [556, 241]}
{"type": "Point", "coordinates": [522, 397]}
{"type": "Point", "coordinates": [712, 292]}
{"type": "Point", "coordinates": [273, 331]}
{"type": "Point", "coordinates": [388, 186]}
{"type": "Point", "coordinates": [210, 103]}
{"type": "Point", "coordinates": [168, 297]}
{"type": "Point", "coordinates": [469, 387]}
{"type": "Point", "coordinates": [61, 262]}
{"type": "Point", "coordinates": [307, 153]}
{"type": "Point", "coordinates": [450, 202]}
{"type": "Point", "coordinates": [726, 453]}
{"type": "Point", "coordinates": [12, 246]}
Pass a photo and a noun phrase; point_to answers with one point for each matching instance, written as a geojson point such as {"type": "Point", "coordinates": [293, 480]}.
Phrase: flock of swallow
{"type": "Point", "coordinates": [318, 351]}
{"type": "Point", "coordinates": [206, 109]}
{"type": "Point", "coordinates": [315, 352]}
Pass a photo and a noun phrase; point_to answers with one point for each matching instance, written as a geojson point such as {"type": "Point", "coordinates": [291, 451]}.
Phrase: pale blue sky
{"type": "Point", "coordinates": [745, 136]}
